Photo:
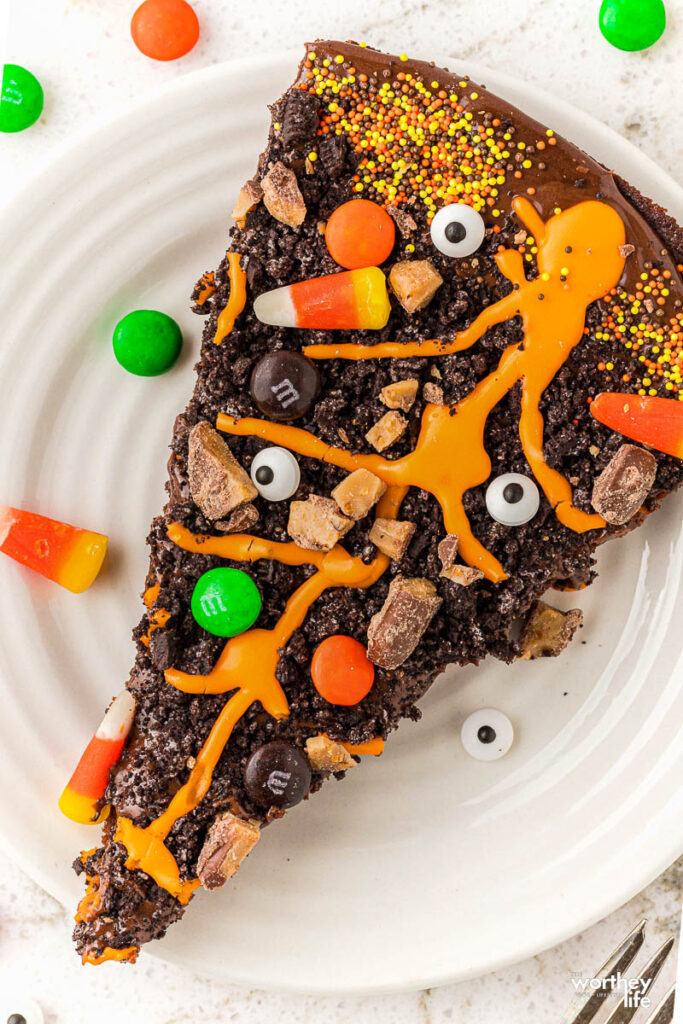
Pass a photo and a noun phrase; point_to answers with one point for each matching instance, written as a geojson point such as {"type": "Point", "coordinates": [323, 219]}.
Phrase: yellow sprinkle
{"type": "Point", "coordinates": [404, 56]}
{"type": "Point", "coordinates": [276, 126]}
{"type": "Point", "coordinates": [410, 247]}
{"type": "Point", "coordinates": [549, 132]}
{"type": "Point", "coordinates": [339, 59]}
{"type": "Point", "coordinates": [313, 156]}
{"type": "Point", "coordinates": [312, 55]}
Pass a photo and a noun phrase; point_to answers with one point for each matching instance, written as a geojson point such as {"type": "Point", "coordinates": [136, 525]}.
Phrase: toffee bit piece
{"type": "Point", "coordinates": [218, 483]}
{"type": "Point", "coordinates": [626, 250]}
{"type": "Point", "coordinates": [463, 575]}
{"type": "Point", "coordinates": [392, 536]}
{"type": "Point", "coordinates": [414, 283]}
{"type": "Point", "coordinates": [396, 630]}
{"type": "Point", "coordinates": [447, 550]}
{"type": "Point", "coordinates": [386, 431]}
{"type": "Point", "coordinates": [317, 524]}
{"type": "Point", "coordinates": [403, 221]}
{"type": "Point", "coordinates": [548, 631]}
{"type": "Point", "coordinates": [358, 492]}
{"type": "Point", "coordinates": [240, 521]}
{"type": "Point", "coordinates": [400, 394]}
{"type": "Point", "coordinates": [250, 195]}
{"type": "Point", "coordinates": [282, 197]}
{"type": "Point", "coordinates": [624, 483]}
{"type": "Point", "coordinates": [433, 394]}
{"type": "Point", "coordinates": [326, 755]}
{"type": "Point", "coordinates": [228, 842]}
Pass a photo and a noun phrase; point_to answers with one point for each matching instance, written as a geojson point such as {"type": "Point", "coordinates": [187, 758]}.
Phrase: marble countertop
{"type": "Point", "coordinates": [81, 52]}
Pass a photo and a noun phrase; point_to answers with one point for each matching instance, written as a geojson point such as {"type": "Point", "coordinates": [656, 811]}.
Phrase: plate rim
{"type": "Point", "coordinates": [89, 136]}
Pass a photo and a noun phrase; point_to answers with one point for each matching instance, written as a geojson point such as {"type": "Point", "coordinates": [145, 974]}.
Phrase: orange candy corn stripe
{"type": "Point", "coordinates": [354, 299]}
{"type": "Point", "coordinates": [81, 798]}
{"type": "Point", "coordinates": [656, 422]}
{"type": "Point", "coordinates": [65, 554]}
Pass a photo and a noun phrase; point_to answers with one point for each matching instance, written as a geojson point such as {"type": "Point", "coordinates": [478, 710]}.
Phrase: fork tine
{"type": "Point", "coordinates": [664, 1013]}
{"type": "Point", "coordinates": [584, 1008]}
{"type": "Point", "coordinates": [622, 1014]}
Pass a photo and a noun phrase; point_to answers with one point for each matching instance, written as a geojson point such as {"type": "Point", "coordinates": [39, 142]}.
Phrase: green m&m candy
{"type": "Point", "coordinates": [632, 24]}
{"type": "Point", "coordinates": [147, 342]}
{"type": "Point", "coordinates": [225, 602]}
{"type": "Point", "coordinates": [21, 99]}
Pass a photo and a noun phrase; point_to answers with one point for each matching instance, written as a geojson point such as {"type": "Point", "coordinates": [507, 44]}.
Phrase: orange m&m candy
{"type": "Point", "coordinates": [360, 234]}
{"type": "Point", "coordinates": [164, 29]}
{"type": "Point", "coordinates": [341, 670]}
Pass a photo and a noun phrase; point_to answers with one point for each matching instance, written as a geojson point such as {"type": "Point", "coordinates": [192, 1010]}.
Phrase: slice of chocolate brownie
{"type": "Point", "coordinates": [389, 456]}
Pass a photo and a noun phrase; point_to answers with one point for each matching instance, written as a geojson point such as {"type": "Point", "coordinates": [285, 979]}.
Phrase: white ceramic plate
{"type": "Point", "coordinates": [424, 866]}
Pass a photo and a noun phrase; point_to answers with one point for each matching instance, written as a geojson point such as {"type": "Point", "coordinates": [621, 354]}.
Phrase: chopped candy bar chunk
{"type": "Point", "coordinates": [386, 431]}
{"type": "Point", "coordinates": [317, 524]}
{"type": "Point", "coordinates": [414, 283]}
{"type": "Point", "coordinates": [396, 630]}
{"type": "Point", "coordinates": [358, 492]}
{"type": "Point", "coordinates": [433, 393]}
{"type": "Point", "coordinates": [400, 394]}
{"type": "Point", "coordinates": [326, 755]}
{"type": "Point", "coordinates": [624, 483]}
{"type": "Point", "coordinates": [250, 195]}
{"type": "Point", "coordinates": [217, 481]}
{"type": "Point", "coordinates": [447, 550]}
{"type": "Point", "coordinates": [392, 536]}
{"type": "Point", "coordinates": [463, 575]}
{"type": "Point", "coordinates": [228, 842]}
{"type": "Point", "coordinates": [64, 554]}
{"type": "Point", "coordinates": [403, 221]}
{"type": "Point", "coordinates": [282, 197]}
{"type": "Point", "coordinates": [548, 631]}
{"type": "Point", "coordinates": [239, 521]}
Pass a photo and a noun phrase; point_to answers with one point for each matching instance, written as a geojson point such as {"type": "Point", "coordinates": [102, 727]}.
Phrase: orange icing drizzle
{"type": "Point", "coordinates": [159, 617]}
{"type": "Point", "coordinates": [373, 747]}
{"type": "Point", "coordinates": [130, 953]}
{"type": "Point", "coordinates": [206, 286]}
{"type": "Point", "coordinates": [236, 301]}
{"type": "Point", "coordinates": [247, 666]}
{"type": "Point", "coordinates": [449, 457]}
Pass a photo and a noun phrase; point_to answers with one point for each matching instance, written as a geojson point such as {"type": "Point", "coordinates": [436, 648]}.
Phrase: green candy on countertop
{"type": "Point", "coordinates": [632, 24]}
{"type": "Point", "coordinates": [21, 99]}
{"type": "Point", "coordinates": [225, 602]}
{"type": "Point", "coordinates": [147, 342]}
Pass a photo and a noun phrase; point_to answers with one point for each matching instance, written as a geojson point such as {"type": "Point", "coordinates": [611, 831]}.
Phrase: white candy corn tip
{"type": "Point", "coordinates": [7, 521]}
{"type": "Point", "coordinates": [276, 308]}
{"type": "Point", "coordinates": [118, 719]}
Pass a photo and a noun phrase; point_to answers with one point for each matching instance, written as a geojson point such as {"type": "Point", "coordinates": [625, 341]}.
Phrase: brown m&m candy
{"type": "Point", "coordinates": [284, 385]}
{"type": "Point", "coordinates": [277, 775]}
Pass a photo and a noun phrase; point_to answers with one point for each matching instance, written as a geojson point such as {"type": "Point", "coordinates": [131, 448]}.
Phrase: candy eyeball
{"type": "Point", "coordinates": [487, 734]}
{"type": "Point", "coordinates": [275, 473]}
{"type": "Point", "coordinates": [512, 499]}
{"type": "Point", "coordinates": [457, 230]}
{"type": "Point", "coordinates": [16, 1010]}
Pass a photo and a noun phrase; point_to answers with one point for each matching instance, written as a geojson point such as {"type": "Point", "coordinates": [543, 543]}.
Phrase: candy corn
{"type": "Point", "coordinates": [354, 299]}
{"type": "Point", "coordinates": [80, 800]}
{"type": "Point", "coordinates": [66, 554]}
{"type": "Point", "coordinates": [656, 422]}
